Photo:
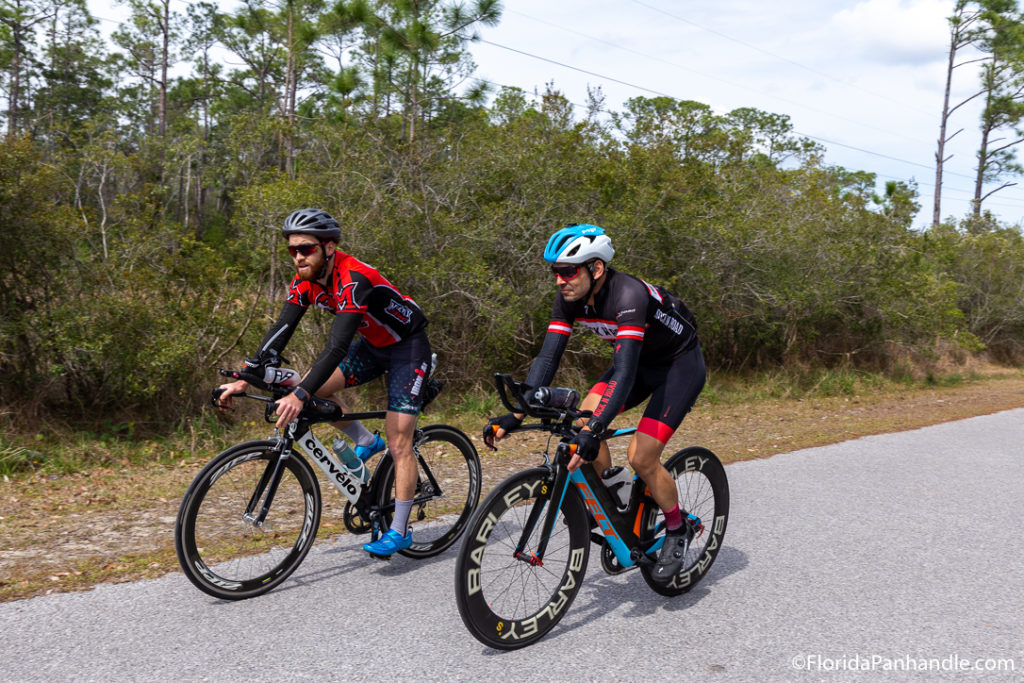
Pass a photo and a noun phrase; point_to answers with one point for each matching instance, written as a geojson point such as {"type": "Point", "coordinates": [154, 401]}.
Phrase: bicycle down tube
{"type": "Point", "coordinates": [621, 532]}
{"type": "Point", "coordinates": [324, 458]}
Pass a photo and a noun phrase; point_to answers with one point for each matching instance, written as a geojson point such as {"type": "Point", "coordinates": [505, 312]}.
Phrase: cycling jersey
{"type": "Point", "coordinates": [361, 299]}
{"type": "Point", "coordinates": [647, 326]}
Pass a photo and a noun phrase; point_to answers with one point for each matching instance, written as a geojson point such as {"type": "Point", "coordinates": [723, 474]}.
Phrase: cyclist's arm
{"type": "Point", "coordinates": [625, 361]}
{"type": "Point", "coordinates": [280, 332]}
{"type": "Point", "coordinates": [342, 330]}
{"type": "Point", "coordinates": [542, 371]}
{"type": "Point", "coordinates": [631, 316]}
{"type": "Point", "coordinates": [275, 339]}
{"type": "Point", "coordinates": [544, 366]}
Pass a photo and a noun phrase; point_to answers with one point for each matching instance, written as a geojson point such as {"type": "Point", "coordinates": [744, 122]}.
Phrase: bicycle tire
{"type": "Point", "coordinates": [228, 557]}
{"type": "Point", "coordinates": [509, 603]}
{"type": "Point", "coordinates": [439, 520]}
{"type": "Point", "coordinates": [703, 491]}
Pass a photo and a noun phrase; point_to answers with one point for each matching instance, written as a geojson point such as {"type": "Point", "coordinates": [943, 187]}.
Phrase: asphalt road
{"type": "Point", "coordinates": [893, 557]}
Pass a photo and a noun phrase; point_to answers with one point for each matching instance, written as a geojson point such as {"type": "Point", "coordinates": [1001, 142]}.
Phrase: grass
{"type": "Point", "coordinates": [60, 450]}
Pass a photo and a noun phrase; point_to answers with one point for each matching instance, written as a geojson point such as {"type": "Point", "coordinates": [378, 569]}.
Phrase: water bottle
{"type": "Point", "coordinates": [556, 397]}
{"type": "Point", "coordinates": [619, 482]}
{"type": "Point", "coordinates": [350, 460]}
{"type": "Point", "coordinates": [286, 377]}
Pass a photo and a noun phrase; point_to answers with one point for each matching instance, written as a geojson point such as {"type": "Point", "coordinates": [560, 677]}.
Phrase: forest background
{"type": "Point", "coordinates": [140, 212]}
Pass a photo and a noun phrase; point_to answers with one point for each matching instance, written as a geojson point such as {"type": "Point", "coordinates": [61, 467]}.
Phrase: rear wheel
{"type": "Point", "coordinates": [220, 547]}
{"type": "Point", "coordinates": [447, 490]}
{"type": "Point", "coordinates": [507, 599]}
{"type": "Point", "coordinates": [704, 493]}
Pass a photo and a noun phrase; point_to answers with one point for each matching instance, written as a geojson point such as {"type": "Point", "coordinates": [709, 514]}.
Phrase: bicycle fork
{"type": "Point", "coordinates": [549, 492]}
{"type": "Point", "coordinates": [268, 483]}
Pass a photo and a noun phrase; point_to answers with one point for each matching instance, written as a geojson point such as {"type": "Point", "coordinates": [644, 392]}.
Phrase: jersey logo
{"type": "Point", "coordinates": [323, 301]}
{"type": "Point", "coordinates": [346, 298]}
{"type": "Point", "coordinates": [399, 312]}
{"type": "Point", "coordinates": [602, 328]}
{"type": "Point", "coordinates": [668, 321]}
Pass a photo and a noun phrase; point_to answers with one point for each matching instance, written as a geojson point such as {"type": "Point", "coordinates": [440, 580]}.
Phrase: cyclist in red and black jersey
{"type": "Point", "coordinates": [656, 354]}
{"type": "Point", "coordinates": [392, 338]}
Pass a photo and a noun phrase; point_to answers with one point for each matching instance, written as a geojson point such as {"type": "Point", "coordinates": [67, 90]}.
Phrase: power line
{"type": "Point", "coordinates": [827, 141]}
{"type": "Point", "coordinates": [664, 94]}
{"type": "Point", "coordinates": [738, 86]}
{"type": "Point", "coordinates": [772, 54]}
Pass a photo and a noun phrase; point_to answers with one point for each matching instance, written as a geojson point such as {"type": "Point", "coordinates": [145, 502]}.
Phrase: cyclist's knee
{"type": "Point", "coordinates": [645, 455]}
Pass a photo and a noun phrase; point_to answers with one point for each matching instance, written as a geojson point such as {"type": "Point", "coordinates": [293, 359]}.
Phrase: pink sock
{"type": "Point", "coordinates": [673, 518]}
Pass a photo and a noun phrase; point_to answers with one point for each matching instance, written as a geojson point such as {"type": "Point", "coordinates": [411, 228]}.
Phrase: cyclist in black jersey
{"type": "Point", "coordinates": [392, 339]}
{"type": "Point", "coordinates": [656, 354]}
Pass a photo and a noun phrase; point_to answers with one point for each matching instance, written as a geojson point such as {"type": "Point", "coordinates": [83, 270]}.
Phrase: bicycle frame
{"type": "Point", "coordinates": [621, 530]}
{"type": "Point", "coordinates": [300, 432]}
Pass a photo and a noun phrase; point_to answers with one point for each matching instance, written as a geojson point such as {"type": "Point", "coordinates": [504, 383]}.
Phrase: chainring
{"type": "Point", "coordinates": [354, 522]}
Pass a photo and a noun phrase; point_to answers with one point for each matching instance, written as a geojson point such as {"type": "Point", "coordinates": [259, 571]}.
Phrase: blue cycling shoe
{"type": "Point", "coordinates": [366, 452]}
{"type": "Point", "coordinates": [389, 543]}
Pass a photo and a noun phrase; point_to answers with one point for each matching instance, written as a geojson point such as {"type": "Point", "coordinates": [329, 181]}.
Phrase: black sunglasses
{"type": "Point", "coordinates": [304, 249]}
{"type": "Point", "coordinates": [566, 272]}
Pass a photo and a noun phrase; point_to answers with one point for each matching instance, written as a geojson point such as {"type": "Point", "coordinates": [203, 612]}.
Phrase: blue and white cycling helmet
{"type": "Point", "coordinates": [579, 243]}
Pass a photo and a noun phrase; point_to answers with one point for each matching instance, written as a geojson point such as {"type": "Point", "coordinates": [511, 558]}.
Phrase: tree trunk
{"type": "Point", "coordinates": [941, 148]}
{"type": "Point", "coordinates": [165, 28]}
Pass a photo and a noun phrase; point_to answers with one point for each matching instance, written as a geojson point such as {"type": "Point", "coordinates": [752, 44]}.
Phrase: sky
{"type": "Point", "coordinates": [864, 79]}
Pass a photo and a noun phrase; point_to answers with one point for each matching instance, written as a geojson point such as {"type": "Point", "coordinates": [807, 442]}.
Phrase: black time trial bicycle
{"type": "Point", "coordinates": [251, 514]}
{"type": "Point", "coordinates": [526, 548]}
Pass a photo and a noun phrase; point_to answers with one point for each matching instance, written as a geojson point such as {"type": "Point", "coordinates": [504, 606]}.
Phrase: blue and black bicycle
{"type": "Point", "coordinates": [526, 548]}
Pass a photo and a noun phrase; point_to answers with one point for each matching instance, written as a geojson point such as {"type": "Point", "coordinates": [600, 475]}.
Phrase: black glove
{"type": "Point", "coordinates": [508, 422]}
{"type": "Point", "coordinates": [587, 445]}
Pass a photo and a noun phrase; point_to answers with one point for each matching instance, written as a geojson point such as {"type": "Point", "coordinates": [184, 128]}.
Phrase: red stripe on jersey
{"type": "Point", "coordinates": [659, 430]}
{"type": "Point", "coordinates": [560, 328]}
{"type": "Point", "coordinates": [630, 332]}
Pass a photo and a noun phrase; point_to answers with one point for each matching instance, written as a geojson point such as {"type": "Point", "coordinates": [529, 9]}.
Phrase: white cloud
{"type": "Point", "coordinates": [894, 31]}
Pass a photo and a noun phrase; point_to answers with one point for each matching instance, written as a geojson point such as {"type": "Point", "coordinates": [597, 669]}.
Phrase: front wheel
{"type": "Point", "coordinates": [703, 492]}
{"type": "Point", "coordinates": [507, 598]}
{"type": "Point", "coordinates": [447, 490]}
{"type": "Point", "coordinates": [221, 547]}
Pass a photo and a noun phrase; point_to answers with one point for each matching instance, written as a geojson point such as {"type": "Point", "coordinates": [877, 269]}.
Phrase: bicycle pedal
{"type": "Point", "coordinates": [386, 558]}
{"type": "Point", "coordinates": [596, 538]}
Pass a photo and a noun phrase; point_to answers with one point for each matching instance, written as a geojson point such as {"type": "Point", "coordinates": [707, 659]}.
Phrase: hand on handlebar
{"type": "Point", "coordinates": [498, 427]}
{"type": "Point", "coordinates": [584, 447]}
{"type": "Point", "coordinates": [288, 408]}
{"type": "Point", "coordinates": [223, 399]}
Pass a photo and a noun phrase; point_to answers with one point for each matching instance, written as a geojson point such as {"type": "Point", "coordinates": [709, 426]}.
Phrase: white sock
{"type": "Point", "coordinates": [400, 523]}
{"type": "Point", "coordinates": [359, 434]}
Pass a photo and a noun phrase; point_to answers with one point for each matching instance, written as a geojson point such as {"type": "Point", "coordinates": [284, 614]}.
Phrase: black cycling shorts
{"type": "Point", "coordinates": [673, 390]}
{"type": "Point", "coordinates": [407, 363]}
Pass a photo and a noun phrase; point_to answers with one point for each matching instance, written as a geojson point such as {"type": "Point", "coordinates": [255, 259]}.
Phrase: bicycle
{"type": "Point", "coordinates": [252, 513]}
{"type": "Point", "coordinates": [526, 549]}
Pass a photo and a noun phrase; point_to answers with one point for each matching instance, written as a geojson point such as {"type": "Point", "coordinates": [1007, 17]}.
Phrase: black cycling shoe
{"type": "Point", "coordinates": [672, 553]}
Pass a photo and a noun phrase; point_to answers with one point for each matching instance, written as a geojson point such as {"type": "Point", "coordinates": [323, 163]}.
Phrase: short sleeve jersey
{"type": "Point", "coordinates": [388, 316]}
{"type": "Point", "coordinates": [627, 307]}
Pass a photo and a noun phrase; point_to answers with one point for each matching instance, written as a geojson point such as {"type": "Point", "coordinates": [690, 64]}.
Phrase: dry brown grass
{"type": "Point", "coordinates": [64, 533]}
